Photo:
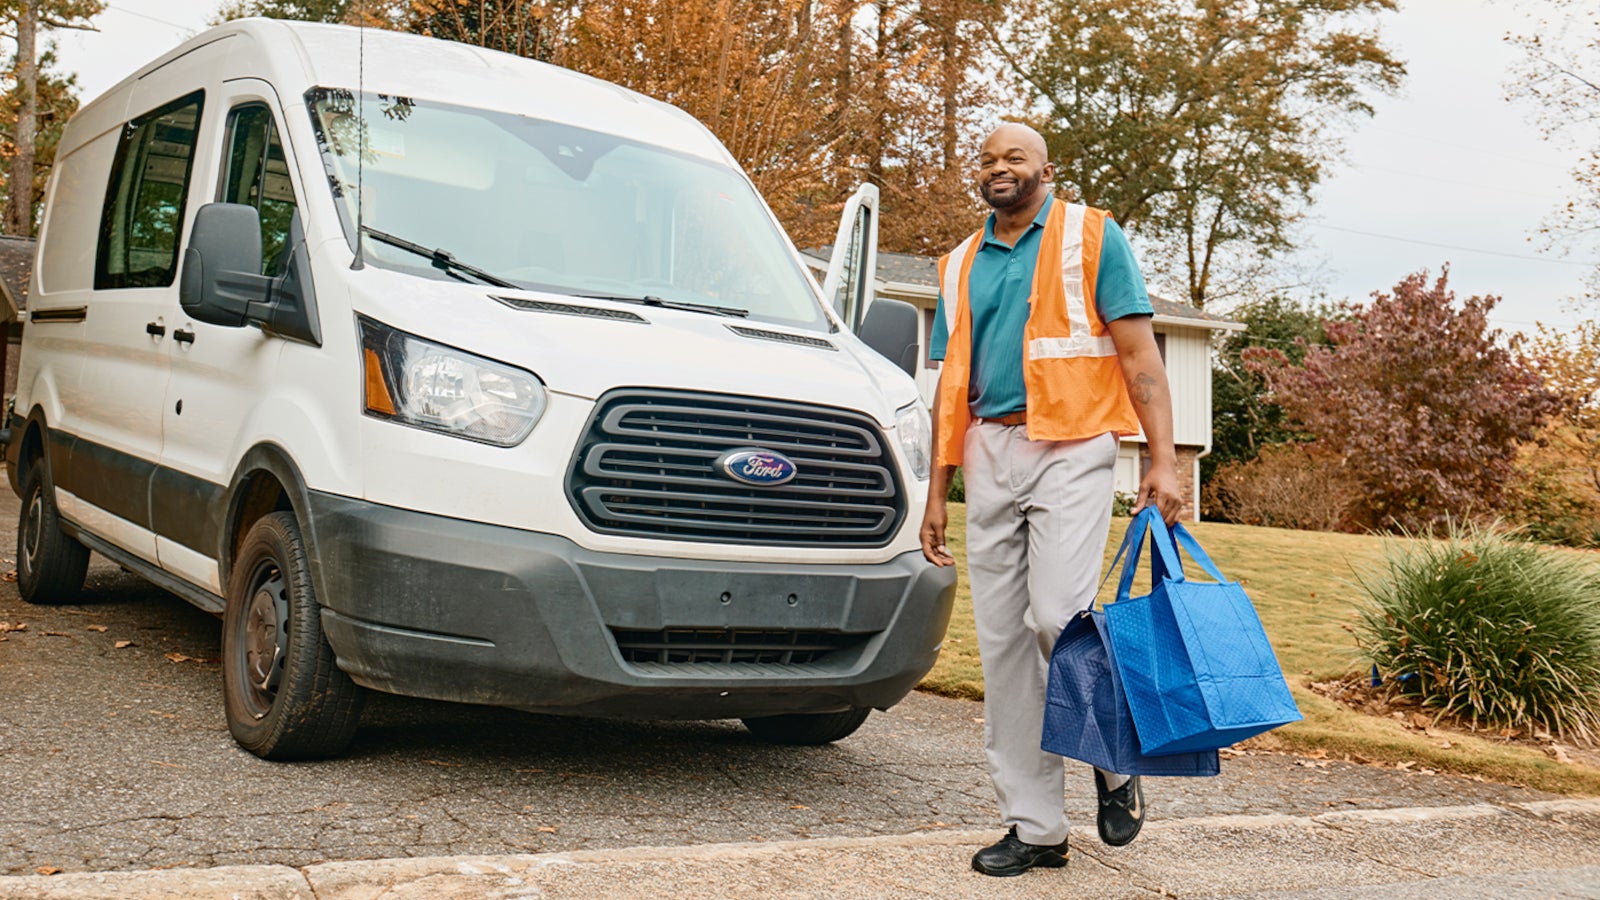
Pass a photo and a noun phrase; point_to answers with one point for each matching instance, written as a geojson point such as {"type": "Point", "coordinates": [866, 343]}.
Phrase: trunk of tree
{"type": "Point", "coordinates": [950, 84]}
{"type": "Point", "coordinates": [19, 197]}
{"type": "Point", "coordinates": [878, 136]}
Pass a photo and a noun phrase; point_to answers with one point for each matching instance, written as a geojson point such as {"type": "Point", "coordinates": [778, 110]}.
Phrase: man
{"type": "Point", "coordinates": [1049, 356]}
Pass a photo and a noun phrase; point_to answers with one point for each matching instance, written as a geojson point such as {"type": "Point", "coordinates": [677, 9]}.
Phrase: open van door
{"type": "Point", "coordinates": [852, 271]}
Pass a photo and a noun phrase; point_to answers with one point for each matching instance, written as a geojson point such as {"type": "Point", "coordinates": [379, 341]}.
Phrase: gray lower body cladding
{"type": "Point", "coordinates": [446, 609]}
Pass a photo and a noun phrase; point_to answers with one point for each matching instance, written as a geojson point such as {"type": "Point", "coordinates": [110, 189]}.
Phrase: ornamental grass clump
{"type": "Point", "coordinates": [1501, 633]}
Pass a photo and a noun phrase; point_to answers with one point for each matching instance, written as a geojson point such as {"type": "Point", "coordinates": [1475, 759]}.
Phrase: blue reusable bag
{"type": "Point", "coordinates": [1193, 657]}
{"type": "Point", "coordinates": [1086, 715]}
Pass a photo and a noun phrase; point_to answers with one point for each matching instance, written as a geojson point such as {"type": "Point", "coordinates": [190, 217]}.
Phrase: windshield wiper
{"type": "Point", "coordinates": [687, 306]}
{"type": "Point", "coordinates": [443, 260]}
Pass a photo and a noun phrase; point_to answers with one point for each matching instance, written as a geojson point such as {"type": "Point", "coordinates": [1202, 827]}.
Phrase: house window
{"type": "Point", "coordinates": [928, 362]}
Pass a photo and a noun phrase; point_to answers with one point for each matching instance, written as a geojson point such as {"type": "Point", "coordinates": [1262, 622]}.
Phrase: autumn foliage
{"type": "Point", "coordinates": [1418, 401]}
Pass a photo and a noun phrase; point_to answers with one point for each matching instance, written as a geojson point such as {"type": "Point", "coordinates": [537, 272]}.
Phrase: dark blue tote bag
{"type": "Point", "coordinates": [1193, 657]}
{"type": "Point", "coordinates": [1086, 715]}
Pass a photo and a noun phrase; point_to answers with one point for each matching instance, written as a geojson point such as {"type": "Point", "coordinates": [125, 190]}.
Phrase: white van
{"type": "Point", "coordinates": [555, 420]}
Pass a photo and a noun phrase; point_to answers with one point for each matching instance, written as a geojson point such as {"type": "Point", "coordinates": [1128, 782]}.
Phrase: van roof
{"type": "Point", "coordinates": [298, 56]}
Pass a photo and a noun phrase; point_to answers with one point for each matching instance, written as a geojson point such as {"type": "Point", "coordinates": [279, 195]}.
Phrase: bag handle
{"type": "Point", "coordinates": [1192, 547]}
{"type": "Point", "coordinates": [1164, 561]}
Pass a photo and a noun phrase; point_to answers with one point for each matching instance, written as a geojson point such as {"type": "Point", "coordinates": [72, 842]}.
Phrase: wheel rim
{"type": "Point", "coordinates": [33, 530]}
{"type": "Point", "coordinates": [264, 638]}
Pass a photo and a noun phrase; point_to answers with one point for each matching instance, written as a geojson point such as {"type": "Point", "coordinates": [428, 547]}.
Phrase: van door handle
{"type": "Point", "coordinates": [183, 337]}
{"type": "Point", "coordinates": [155, 328]}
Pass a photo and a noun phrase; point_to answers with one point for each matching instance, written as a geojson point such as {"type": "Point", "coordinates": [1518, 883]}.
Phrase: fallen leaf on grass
{"type": "Point", "coordinates": [7, 626]}
{"type": "Point", "coordinates": [9, 577]}
{"type": "Point", "coordinates": [48, 870]}
{"type": "Point", "coordinates": [548, 829]}
{"type": "Point", "coordinates": [799, 806]}
{"type": "Point", "coordinates": [100, 628]}
{"type": "Point", "coordinates": [123, 645]}
{"type": "Point", "coordinates": [1318, 753]}
{"type": "Point", "coordinates": [1405, 766]}
{"type": "Point", "coordinates": [1559, 754]}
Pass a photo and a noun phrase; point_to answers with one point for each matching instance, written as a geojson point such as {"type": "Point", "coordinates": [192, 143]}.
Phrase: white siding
{"type": "Point", "coordinates": [1189, 373]}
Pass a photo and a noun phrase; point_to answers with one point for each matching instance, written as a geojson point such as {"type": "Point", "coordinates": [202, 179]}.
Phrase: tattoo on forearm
{"type": "Point", "coordinates": [1144, 387]}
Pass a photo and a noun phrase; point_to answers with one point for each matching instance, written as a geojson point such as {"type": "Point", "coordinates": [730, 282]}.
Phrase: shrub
{"type": "Point", "coordinates": [958, 489]}
{"type": "Point", "coordinates": [1500, 632]}
{"type": "Point", "coordinates": [1122, 504]}
{"type": "Point", "coordinates": [1287, 486]}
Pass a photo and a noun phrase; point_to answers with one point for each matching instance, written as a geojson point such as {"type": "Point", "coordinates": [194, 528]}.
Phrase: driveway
{"type": "Point", "coordinates": [114, 755]}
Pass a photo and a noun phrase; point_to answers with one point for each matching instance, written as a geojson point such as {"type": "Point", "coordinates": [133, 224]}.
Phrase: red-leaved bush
{"type": "Point", "coordinates": [1420, 402]}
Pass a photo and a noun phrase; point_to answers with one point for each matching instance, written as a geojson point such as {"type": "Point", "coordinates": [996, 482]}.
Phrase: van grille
{"type": "Point", "coordinates": [646, 468]}
{"type": "Point", "coordinates": [685, 646]}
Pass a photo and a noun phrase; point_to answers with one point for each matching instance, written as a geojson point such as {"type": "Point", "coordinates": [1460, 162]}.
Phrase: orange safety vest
{"type": "Point", "coordinates": [1070, 369]}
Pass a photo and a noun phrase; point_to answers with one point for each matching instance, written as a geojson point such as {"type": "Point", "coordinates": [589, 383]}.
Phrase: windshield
{"type": "Point", "coordinates": [552, 207]}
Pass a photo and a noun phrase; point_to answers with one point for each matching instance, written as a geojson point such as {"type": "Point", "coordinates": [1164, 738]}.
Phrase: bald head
{"type": "Point", "coordinates": [1014, 168]}
{"type": "Point", "coordinates": [1016, 134]}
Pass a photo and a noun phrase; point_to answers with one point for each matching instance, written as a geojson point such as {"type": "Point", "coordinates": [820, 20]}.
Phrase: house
{"type": "Point", "coordinates": [16, 268]}
{"type": "Point", "coordinates": [1183, 333]}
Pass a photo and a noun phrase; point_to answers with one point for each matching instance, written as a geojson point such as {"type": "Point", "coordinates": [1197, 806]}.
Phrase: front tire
{"type": "Point", "coordinates": [284, 695]}
{"type": "Point", "coordinates": [50, 565]}
{"type": "Point", "coordinates": [807, 729]}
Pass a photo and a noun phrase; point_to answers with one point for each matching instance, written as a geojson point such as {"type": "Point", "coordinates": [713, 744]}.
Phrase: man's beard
{"type": "Point", "coordinates": [1025, 188]}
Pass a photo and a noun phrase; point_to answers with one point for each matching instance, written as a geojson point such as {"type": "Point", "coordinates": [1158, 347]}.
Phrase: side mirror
{"type": "Point", "coordinates": [222, 266]}
{"type": "Point", "coordinates": [891, 329]}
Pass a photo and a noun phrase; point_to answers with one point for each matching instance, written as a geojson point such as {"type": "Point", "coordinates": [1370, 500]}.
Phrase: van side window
{"type": "Point", "coordinates": [141, 224]}
{"type": "Point", "coordinates": [257, 174]}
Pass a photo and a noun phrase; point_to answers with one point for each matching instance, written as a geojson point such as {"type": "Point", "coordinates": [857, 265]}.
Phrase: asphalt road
{"type": "Point", "coordinates": [119, 758]}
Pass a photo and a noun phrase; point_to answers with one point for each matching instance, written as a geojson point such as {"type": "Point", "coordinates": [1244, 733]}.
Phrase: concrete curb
{"type": "Point", "coordinates": [890, 865]}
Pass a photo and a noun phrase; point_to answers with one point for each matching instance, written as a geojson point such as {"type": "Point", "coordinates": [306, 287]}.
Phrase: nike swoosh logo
{"type": "Point", "coordinates": [1135, 810]}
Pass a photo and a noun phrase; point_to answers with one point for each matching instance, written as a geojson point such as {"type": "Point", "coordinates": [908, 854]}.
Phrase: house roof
{"type": "Point", "coordinates": [16, 268]}
{"type": "Point", "coordinates": [909, 269]}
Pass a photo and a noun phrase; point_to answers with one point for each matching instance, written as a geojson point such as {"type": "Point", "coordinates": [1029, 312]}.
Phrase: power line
{"type": "Point", "coordinates": [1481, 187]}
{"type": "Point", "coordinates": [1406, 240]}
{"type": "Point", "coordinates": [1417, 137]}
{"type": "Point", "coordinates": [129, 12]}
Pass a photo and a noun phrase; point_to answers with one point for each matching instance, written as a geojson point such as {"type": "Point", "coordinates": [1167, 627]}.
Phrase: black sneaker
{"type": "Point", "coordinates": [1121, 811]}
{"type": "Point", "coordinates": [1012, 856]}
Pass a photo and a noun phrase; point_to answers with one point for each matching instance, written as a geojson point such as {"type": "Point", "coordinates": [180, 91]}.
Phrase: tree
{"type": "Point", "coordinates": [332, 11]}
{"type": "Point", "coordinates": [58, 100]}
{"type": "Point", "coordinates": [1419, 400]}
{"type": "Point", "coordinates": [1202, 125]}
{"type": "Point", "coordinates": [1556, 496]}
{"type": "Point", "coordinates": [1244, 421]}
{"type": "Point", "coordinates": [21, 21]}
{"type": "Point", "coordinates": [1570, 365]}
{"type": "Point", "coordinates": [1560, 74]}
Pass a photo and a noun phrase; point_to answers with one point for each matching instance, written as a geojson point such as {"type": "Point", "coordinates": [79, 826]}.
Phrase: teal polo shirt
{"type": "Point", "coordinates": [997, 292]}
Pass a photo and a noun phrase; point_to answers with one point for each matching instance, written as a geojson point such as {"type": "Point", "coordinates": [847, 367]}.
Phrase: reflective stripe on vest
{"type": "Point", "coordinates": [1071, 372]}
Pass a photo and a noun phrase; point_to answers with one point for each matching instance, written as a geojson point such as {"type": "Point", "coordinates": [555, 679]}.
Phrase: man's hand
{"type": "Point", "coordinates": [933, 523]}
{"type": "Point", "coordinates": [1160, 489]}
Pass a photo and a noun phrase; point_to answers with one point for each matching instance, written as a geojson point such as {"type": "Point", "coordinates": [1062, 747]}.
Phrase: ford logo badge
{"type": "Point", "coordinates": [763, 468]}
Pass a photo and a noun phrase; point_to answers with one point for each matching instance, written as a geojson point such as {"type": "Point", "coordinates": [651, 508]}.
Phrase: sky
{"type": "Point", "coordinates": [1446, 171]}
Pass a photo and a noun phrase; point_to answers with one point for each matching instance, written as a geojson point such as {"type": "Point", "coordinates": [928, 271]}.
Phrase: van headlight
{"type": "Point", "coordinates": [438, 388]}
{"type": "Point", "coordinates": [915, 428]}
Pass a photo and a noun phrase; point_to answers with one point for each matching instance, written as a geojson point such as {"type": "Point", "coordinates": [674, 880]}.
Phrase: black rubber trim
{"type": "Point", "coordinates": [186, 510]}
{"type": "Point", "coordinates": [200, 597]}
{"type": "Point", "coordinates": [59, 314]}
{"type": "Point", "coordinates": [117, 482]}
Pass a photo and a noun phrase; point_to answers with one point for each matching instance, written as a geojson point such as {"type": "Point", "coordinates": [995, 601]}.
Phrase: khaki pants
{"type": "Point", "coordinates": [1038, 514]}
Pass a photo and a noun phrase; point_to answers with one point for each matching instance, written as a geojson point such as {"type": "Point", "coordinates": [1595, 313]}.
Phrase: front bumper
{"type": "Point", "coordinates": [442, 608]}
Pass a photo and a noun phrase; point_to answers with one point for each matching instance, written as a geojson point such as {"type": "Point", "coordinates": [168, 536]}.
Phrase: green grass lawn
{"type": "Point", "coordinates": [1303, 586]}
